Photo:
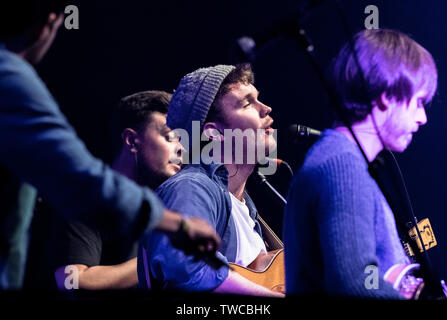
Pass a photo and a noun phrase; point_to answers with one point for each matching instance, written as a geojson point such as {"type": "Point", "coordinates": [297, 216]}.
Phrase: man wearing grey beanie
{"type": "Point", "coordinates": [217, 102]}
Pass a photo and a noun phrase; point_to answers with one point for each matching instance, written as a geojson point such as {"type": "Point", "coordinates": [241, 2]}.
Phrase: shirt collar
{"type": "Point", "coordinates": [221, 173]}
{"type": "Point", "coordinates": [216, 170]}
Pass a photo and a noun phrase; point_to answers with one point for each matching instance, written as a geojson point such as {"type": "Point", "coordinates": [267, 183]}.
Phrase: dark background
{"type": "Point", "coordinates": [125, 47]}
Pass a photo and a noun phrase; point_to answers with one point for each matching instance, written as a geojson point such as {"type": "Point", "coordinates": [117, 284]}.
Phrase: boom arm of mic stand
{"type": "Point", "coordinates": [264, 181]}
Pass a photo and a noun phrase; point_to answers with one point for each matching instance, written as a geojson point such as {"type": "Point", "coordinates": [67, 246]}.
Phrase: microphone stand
{"type": "Point", "coordinates": [264, 181]}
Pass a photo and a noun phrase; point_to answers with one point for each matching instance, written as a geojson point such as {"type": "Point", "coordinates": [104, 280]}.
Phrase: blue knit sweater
{"type": "Point", "coordinates": [337, 223]}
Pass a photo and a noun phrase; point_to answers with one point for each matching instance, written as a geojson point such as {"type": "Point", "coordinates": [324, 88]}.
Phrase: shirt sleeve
{"type": "Point", "coordinates": [40, 147]}
{"type": "Point", "coordinates": [76, 243]}
{"type": "Point", "coordinates": [170, 266]}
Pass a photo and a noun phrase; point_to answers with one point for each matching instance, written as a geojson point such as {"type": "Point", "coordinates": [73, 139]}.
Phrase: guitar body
{"type": "Point", "coordinates": [266, 270]}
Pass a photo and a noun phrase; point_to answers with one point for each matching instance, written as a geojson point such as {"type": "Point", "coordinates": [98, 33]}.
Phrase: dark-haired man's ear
{"type": "Point", "coordinates": [212, 132]}
{"type": "Point", "coordinates": [130, 139]}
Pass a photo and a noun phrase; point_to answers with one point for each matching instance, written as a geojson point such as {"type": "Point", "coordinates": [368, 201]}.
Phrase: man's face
{"type": "Point", "coordinates": [241, 109]}
{"type": "Point", "coordinates": [159, 150]}
{"type": "Point", "coordinates": [404, 119]}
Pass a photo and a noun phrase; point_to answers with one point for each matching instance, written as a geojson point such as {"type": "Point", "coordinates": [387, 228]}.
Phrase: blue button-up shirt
{"type": "Point", "coordinates": [199, 191]}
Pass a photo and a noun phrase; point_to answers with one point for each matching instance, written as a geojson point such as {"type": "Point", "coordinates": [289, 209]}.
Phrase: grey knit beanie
{"type": "Point", "coordinates": [194, 95]}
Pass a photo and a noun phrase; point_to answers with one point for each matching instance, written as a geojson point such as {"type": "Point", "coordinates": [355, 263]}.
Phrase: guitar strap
{"type": "Point", "coordinates": [273, 241]}
{"type": "Point", "coordinates": [393, 189]}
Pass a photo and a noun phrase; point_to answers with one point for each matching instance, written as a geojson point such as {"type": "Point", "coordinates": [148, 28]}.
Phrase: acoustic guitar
{"type": "Point", "coordinates": [267, 269]}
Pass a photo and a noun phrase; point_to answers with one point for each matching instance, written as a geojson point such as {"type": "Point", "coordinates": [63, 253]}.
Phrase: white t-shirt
{"type": "Point", "coordinates": [249, 242]}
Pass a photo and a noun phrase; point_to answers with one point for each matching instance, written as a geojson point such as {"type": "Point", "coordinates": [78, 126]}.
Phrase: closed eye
{"type": "Point", "coordinates": [421, 103]}
{"type": "Point", "coordinates": [172, 136]}
{"type": "Point", "coordinates": [249, 102]}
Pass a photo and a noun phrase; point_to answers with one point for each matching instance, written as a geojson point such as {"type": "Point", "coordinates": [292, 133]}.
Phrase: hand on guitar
{"type": "Point", "coordinates": [401, 276]}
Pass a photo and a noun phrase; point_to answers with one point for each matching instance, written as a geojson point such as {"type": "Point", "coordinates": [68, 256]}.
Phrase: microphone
{"type": "Point", "coordinates": [287, 27]}
{"type": "Point", "coordinates": [297, 130]}
{"type": "Point", "coordinates": [279, 162]}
